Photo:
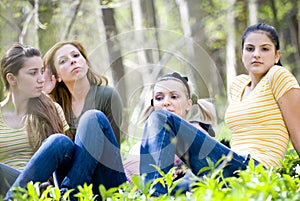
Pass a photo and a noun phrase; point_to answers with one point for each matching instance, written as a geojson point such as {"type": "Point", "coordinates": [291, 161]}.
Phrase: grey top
{"type": "Point", "coordinates": [107, 100]}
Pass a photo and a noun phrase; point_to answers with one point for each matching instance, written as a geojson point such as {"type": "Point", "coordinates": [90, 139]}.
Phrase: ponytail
{"type": "Point", "coordinates": [202, 110]}
{"type": "Point", "coordinates": [208, 111]}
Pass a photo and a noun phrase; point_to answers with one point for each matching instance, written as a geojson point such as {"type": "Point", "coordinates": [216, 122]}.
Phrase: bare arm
{"type": "Point", "coordinates": [289, 105]}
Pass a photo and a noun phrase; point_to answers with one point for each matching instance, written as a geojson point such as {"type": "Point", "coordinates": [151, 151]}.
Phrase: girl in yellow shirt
{"type": "Point", "coordinates": [263, 115]}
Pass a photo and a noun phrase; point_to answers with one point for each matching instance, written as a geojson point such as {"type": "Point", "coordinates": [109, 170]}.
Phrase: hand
{"type": "Point", "coordinates": [50, 81]}
{"type": "Point", "coordinates": [179, 173]}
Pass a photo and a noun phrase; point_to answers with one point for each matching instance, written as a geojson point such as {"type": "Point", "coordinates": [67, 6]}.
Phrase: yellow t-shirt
{"type": "Point", "coordinates": [256, 122]}
{"type": "Point", "coordinates": [15, 149]}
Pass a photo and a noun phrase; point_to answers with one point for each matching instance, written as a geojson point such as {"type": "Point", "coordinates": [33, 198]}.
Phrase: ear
{"type": "Point", "coordinates": [190, 104]}
{"type": "Point", "coordinates": [11, 79]}
{"type": "Point", "coordinates": [277, 56]}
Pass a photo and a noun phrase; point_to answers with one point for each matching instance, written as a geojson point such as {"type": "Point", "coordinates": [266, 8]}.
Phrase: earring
{"type": "Point", "coordinates": [59, 79]}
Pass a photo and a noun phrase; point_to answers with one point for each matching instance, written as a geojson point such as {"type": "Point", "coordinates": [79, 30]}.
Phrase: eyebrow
{"type": "Point", "coordinates": [72, 52]}
{"type": "Point", "coordinates": [61, 57]}
{"type": "Point", "coordinates": [35, 68]}
{"type": "Point", "coordinates": [169, 92]}
{"type": "Point", "coordinates": [266, 44]}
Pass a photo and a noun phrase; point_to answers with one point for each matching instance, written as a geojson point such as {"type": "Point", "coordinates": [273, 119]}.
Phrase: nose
{"type": "Point", "coordinates": [166, 102]}
{"type": "Point", "coordinates": [73, 61]}
{"type": "Point", "coordinates": [41, 78]}
{"type": "Point", "coordinates": [256, 53]}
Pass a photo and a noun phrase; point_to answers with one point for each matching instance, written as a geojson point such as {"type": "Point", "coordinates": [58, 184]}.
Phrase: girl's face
{"type": "Point", "coordinates": [171, 95]}
{"type": "Point", "coordinates": [259, 53]}
{"type": "Point", "coordinates": [70, 64]}
{"type": "Point", "coordinates": [29, 82]}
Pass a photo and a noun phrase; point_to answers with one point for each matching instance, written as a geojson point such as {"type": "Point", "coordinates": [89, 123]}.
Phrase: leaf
{"type": "Point", "coordinates": [158, 169]}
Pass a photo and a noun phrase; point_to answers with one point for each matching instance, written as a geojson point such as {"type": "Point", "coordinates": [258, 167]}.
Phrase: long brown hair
{"type": "Point", "coordinates": [42, 118]}
{"type": "Point", "coordinates": [61, 93]}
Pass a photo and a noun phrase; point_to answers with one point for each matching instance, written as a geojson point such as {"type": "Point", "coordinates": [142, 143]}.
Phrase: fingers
{"type": "Point", "coordinates": [47, 74]}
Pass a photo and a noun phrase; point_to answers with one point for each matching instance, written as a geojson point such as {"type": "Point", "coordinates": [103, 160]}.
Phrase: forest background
{"type": "Point", "coordinates": [132, 42]}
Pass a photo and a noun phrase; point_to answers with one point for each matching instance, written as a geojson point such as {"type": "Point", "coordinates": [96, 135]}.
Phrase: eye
{"type": "Point", "coordinates": [61, 61]}
{"type": "Point", "coordinates": [76, 55]}
{"type": "Point", "coordinates": [174, 96]}
{"type": "Point", "coordinates": [249, 49]}
{"type": "Point", "coordinates": [33, 72]}
{"type": "Point", "coordinates": [265, 49]}
{"type": "Point", "coordinates": [159, 98]}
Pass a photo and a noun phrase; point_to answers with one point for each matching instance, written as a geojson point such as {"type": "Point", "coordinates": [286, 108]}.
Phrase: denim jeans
{"type": "Point", "coordinates": [97, 157]}
{"type": "Point", "coordinates": [166, 134]}
{"type": "Point", "coordinates": [93, 158]}
{"type": "Point", "coordinates": [8, 175]}
{"type": "Point", "coordinates": [55, 151]}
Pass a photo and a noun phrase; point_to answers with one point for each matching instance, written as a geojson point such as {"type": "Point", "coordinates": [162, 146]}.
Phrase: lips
{"type": "Point", "coordinates": [75, 69]}
{"type": "Point", "coordinates": [172, 111]}
{"type": "Point", "coordinates": [256, 62]}
{"type": "Point", "coordinates": [40, 88]}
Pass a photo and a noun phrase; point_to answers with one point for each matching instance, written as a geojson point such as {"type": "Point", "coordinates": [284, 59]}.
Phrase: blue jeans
{"type": "Point", "coordinates": [93, 158]}
{"type": "Point", "coordinates": [8, 175]}
{"type": "Point", "coordinates": [166, 134]}
{"type": "Point", "coordinates": [56, 151]}
{"type": "Point", "coordinates": [97, 158]}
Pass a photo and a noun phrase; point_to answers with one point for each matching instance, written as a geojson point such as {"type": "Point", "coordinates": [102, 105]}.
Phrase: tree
{"type": "Point", "coordinates": [230, 44]}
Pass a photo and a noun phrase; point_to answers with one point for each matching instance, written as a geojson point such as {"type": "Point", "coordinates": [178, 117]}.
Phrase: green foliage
{"type": "Point", "coordinates": [254, 183]}
{"type": "Point", "coordinates": [166, 180]}
{"type": "Point", "coordinates": [290, 164]}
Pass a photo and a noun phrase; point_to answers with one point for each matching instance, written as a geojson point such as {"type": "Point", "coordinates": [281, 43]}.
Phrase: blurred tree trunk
{"type": "Point", "coordinates": [116, 61]}
{"type": "Point", "coordinates": [143, 13]}
{"type": "Point", "coordinates": [115, 57]}
{"type": "Point", "coordinates": [187, 34]}
{"type": "Point", "coordinates": [230, 45]}
{"type": "Point", "coordinates": [293, 38]}
{"type": "Point", "coordinates": [2, 27]}
{"type": "Point", "coordinates": [252, 8]}
{"type": "Point", "coordinates": [46, 34]}
{"type": "Point", "coordinates": [72, 20]}
{"type": "Point", "coordinates": [200, 68]}
{"type": "Point", "coordinates": [31, 20]}
{"type": "Point", "coordinates": [276, 23]}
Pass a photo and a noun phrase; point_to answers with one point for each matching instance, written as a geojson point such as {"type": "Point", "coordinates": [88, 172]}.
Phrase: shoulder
{"type": "Point", "coordinates": [280, 80]}
{"type": "Point", "coordinates": [241, 78]}
{"type": "Point", "coordinates": [104, 89]}
{"type": "Point", "coordinates": [239, 81]}
{"type": "Point", "coordinates": [59, 110]}
{"type": "Point", "coordinates": [106, 95]}
{"type": "Point", "coordinates": [58, 107]}
{"type": "Point", "coordinates": [277, 70]}
{"type": "Point", "coordinates": [278, 75]}
{"type": "Point", "coordinates": [62, 116]}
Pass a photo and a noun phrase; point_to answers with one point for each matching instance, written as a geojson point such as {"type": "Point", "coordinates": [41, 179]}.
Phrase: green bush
{"type": "Point", "coordinates": [254, 183]}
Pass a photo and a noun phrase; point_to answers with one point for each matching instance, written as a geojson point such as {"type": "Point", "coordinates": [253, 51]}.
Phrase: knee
{"type": "Point", "coordinates": [158, 114]}
{"type": "Point", "coordinates": [60, 140]}
{"type": "Point", "coordinates": [93, 115]}
{"type": "Point", "coordinates": [158, 117]}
